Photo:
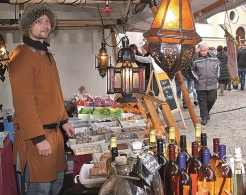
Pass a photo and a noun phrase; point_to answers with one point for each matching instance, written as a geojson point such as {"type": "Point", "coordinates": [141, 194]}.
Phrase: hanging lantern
{"type": "Point", "coordinates": [102, 59]}
{"type": "Point", "coordinates": [126, 78]}
{"type": "Point", "coordinates": [172, 36]}
{"type": "Point", "coordinates": [4, 58]}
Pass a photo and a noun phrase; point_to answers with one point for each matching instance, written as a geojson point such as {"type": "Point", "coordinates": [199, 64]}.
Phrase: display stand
{"type": "Point", "coordinates": [150, 103]}
{"type": "Point", "coordinates": [160, 86]}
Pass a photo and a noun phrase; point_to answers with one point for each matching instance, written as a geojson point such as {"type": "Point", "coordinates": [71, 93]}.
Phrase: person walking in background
{"type": "Point", "coordinates": [178, 90]}
{"type": "Point", "coordinates": [241, 63]}
{"type": "Point", "coordinates": [205, 68]}
{"type": "Point", "coordinates": [39, 106]}
{"type": "Point", "coordinates": [224, 76]}
{"type": "Point", "coordinates": [145, 61]}
{"type": "Point", "coordinates": [212, 50]}
{"type": "Point", "coordinates": [189, 83]}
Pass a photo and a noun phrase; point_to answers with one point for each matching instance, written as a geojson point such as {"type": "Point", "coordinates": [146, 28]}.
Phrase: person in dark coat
{"type": "Point", "coordinates": [224, 76]}
{"type": "Point", "coordinates": [241, 63]}
{"type": "Point", "coordinates": [205, 68]}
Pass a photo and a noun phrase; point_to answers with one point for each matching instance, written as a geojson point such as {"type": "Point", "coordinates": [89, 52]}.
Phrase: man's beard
{"type": "Point", "coordinates": [40, 36]}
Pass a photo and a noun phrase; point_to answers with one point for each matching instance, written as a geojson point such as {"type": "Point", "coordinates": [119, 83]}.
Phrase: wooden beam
{"type": "Point", "coordinates": [211, 7]}
{"type": "Point", "coordinates": [70, 2]}
{"type": "Point", "coordinates": [186, 97]}
{"type": "Point", "coordinates": [115, 49]}
{"type": "Point", "coordinates": [85, 22]}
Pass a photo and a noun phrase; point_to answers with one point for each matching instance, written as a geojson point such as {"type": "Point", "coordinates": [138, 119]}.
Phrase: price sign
{"type": "Point", "coordinates": [150, 163]}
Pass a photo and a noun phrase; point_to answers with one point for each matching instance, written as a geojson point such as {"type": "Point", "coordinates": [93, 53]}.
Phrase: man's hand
{"type": "Point", "coordinates": [44, 148]}
{"type": "Point", "coordinates": [69, 129]}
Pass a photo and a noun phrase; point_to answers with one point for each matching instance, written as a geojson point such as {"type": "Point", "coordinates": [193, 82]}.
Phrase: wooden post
{"type": "Point", "coordinates": [114, 43]}
{"type": "Point", "coordinates": [186, 97]}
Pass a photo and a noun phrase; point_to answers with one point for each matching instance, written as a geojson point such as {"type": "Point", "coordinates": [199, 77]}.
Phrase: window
{"type": "Point", "coordinates": [233, 16]}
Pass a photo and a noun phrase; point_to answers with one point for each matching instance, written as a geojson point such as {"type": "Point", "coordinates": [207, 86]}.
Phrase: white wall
{"type": "Point", "coordinates": [74, 52]}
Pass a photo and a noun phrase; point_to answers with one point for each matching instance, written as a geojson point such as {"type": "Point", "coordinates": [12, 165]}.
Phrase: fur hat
{"type": "Point", "coordinates": [32, 13]}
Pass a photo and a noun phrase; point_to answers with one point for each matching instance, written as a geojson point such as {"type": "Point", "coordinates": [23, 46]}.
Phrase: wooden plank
{"type": "Point", "coordinates": [211, 7]}
{"type": "Point", "coordinates": [168, 116]}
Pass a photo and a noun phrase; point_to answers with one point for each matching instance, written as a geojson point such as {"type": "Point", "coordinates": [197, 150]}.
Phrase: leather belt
{"type": "Point", "coordinates": [52, 126]}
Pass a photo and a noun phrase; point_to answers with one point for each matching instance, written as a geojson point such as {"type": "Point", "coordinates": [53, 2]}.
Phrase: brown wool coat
{"type": "Point", "coordinates": [37, 100]}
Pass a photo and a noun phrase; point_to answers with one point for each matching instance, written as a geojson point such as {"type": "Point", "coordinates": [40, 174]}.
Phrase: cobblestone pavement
{"type": "Point", "coordinates": [228, 121]}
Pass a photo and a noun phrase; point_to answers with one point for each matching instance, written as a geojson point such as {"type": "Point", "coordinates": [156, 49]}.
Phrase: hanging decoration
{"type": "Point", "coordinates": [107, 9]}
{"type": "Point", "coordinates": [102, 60]}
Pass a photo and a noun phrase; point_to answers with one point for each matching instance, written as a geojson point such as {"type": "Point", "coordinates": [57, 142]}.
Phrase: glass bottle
{"type": "Point", "coordinates": [110, 169]}
{"type": "Point", "coordinates": [214, 161]}
{"type": "Point", "coordinates": [194, 167]}
{"type": "Point", "coordinates": [182, 181]}
{"type": "Point", "coordinates": [183, 148]}
{"type": "Point", "coordinates": [203, 146]}
{"type": "Point", "coordinates": [152, 141]}
{"type": "Point", "coordinates": [171, 141]}
{"type": "Point", "coordinates": [113, 142]}
{"type": "Point", "coordinates": [223, 174]}
{"type": "Point", "coordinates": [170, 170]}
{"type": "Point", "coordinates": [206, 177]}
{"type": "Point", "coordinates": [198, 132]}
{"type": "Point", "coordinates": [161, 158]}
{"type": "Point", "coordinates": [238, 188]}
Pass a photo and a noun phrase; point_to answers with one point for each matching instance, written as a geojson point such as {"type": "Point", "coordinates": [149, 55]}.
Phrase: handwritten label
{"type": "Point", "coordinates": [168, 94]}
{"type": "Point", "coordinates": [150, 163]}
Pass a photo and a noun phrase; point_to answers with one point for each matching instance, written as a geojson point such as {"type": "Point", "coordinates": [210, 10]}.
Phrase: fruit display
{"type": "Point", "coordinates": [100, 111]}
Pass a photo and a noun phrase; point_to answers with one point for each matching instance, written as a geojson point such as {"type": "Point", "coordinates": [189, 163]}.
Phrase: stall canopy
{"type": "Point", "coordinates": [121, 15]}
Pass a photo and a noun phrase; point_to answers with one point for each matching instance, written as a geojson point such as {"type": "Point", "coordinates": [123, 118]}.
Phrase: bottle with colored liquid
{"type": "Point", "coordinates": [203, 146]}
{"type": "Point", "coordinates": [171, 141]}
{"type": "Point", "coordinates": [161, 158]}
{"type": "Point", "coordinates": [183, 148]}
{"type": "Point", "coordinates": [214, 161]}
{"type": "Point", "coordinates": [152, 141]}
{"type": "Point", "coordinates": [198, 132]}
{"type": "Point", "coordinates": [223, 174]}
{"type": "Point", "coordinates": [206, 177]}
{"type": "Point", "coordinates": [170, 171]}
{"type": "Point", "coordinates": [194, 167]}
{"type": "Point", "coordinates": [182, 181]}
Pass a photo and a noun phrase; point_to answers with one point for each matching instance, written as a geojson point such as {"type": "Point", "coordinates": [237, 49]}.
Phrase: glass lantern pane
{"type": "Point", "coordinates": [171, 40]}
{"type": "Point", "coordinates": [172, 15]}
{"type": "Point", "coordinates": [110, 80]}
{"type": "Point", "coordinates": [160, 14]}
{"type": "Point", "coordinates": [187, 16]}
{"type": "Point", "coordinates": [123, 79]}
{"type": "Point", "coordinates": [142, 80]}
{"type": "Point", "coordinates": [117, 79]}
{"type": "Point", "coordinates": [135, 81]}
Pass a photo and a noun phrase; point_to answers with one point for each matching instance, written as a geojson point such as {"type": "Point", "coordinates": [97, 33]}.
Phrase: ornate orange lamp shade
{"type": "Point", "coordinates": [102, 60]}
{"type": "Point", "coordinates": [172, 36]}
